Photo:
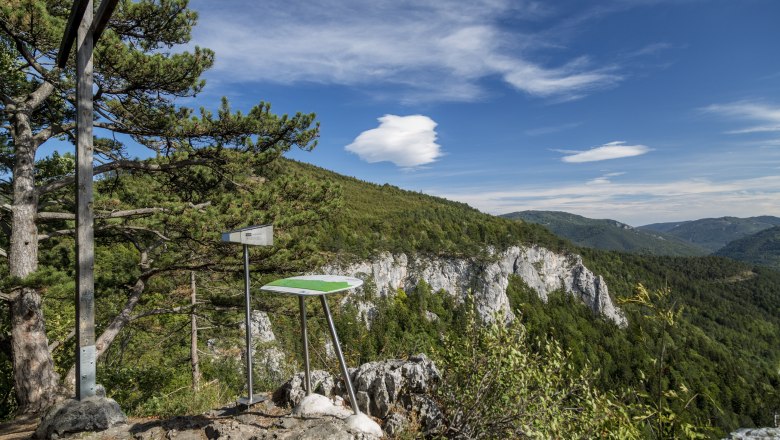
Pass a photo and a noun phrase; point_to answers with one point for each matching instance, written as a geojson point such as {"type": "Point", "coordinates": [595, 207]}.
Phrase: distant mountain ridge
{"type": "Point", "coordinates": [762, 248]}
{"type": "Point", "coordinates": [608, 234]}
{"type": "Point", "coordinates": [714, 233]}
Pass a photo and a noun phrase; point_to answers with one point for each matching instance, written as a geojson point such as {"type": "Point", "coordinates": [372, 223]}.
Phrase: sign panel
{"type": "Point", "coordinates": [262, 235]}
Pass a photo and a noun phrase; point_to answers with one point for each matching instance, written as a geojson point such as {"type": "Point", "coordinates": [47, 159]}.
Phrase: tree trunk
{"type": "Point", "coordinates": [194, 336]}
{"type": "Point", "coordinates": [35, 380]}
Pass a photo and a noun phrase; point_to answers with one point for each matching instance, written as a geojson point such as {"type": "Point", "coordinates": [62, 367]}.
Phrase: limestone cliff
{"type": "Point", "coordinates": [543, 270]}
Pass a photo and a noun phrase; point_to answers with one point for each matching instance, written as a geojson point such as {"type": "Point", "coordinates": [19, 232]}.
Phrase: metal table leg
{"type": "Point", "coordinates": [305, 337]}
{"type": "Point", "coordinates": [340, 355]}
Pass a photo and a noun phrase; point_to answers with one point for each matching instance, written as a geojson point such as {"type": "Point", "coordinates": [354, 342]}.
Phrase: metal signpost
{"type": "Point", "coordinates": [85, 31]}
{"type": "Point", "coordinates": [261, 235]}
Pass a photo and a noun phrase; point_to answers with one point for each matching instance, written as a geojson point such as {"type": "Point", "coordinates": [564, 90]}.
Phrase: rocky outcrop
{"type": "Point", "coordinates": [266, 354]}
{"type": "Point", "coordinates": [96, 413]}
{"type": "Point", "coordinates": [267, 357]}
{"type": "Point", "coordinates": [755, 434]}
{"type": "Point", "coordinates": [388, 390]}
{"type": "Point", "coordinates": [541, 269]}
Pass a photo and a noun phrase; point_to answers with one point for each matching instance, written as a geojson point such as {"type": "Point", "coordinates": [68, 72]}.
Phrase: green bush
{"type": "Point", "coordinates": [498, 383]}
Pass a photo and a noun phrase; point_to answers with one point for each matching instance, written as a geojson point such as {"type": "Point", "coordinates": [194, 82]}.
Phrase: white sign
{"type": "Point", "coordinates": [262, 235]}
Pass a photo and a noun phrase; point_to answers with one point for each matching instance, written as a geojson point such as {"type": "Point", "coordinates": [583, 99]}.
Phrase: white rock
{"type": "Point", "coordinates": [543, 270]}
{"type": "Point", "coordinates": [316, 405]}
{"type": "Point", "coordinates": [363, 423]}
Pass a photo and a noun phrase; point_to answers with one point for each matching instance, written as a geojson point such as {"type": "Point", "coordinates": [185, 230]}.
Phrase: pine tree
{"type": "Point", "coordinates": [138, 79]}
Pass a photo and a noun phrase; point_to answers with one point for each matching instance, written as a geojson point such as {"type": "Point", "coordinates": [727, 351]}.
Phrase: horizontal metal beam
{"type": "Point", "coordinates": [74, 20]}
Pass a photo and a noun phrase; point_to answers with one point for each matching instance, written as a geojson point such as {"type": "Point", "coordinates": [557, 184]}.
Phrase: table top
{"type": "Point", "coordinates": [312, 285]}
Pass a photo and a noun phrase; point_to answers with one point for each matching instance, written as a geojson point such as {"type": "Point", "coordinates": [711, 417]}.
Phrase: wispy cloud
{"type": "Point", "coordinates": [429, 49]}
{"type": "Point", "coordinates": [604, 179]}
{"type": "Point", "coordinates": [763, 117]}
{"type": "Point", "coordinates": [611, 150]}
{"type": "Point", "coordinates": [407, 141]}
{"type": "Point", "coordinates": [636, 203]}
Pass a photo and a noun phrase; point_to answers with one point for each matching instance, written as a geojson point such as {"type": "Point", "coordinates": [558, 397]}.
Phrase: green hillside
{"type": "Point", "coordinates": [376, 218]}
{"type": "Point", "coordinates": [714, 233]}
{"type": "Point", "coordinates": [724, 349]}
{"type": "Point", "coordinates": [607, 234]}
{"type": "Point", "coordinates": [762, 248]}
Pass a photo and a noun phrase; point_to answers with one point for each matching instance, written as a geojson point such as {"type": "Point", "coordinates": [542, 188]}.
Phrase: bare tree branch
{"type": "Point", "coordinates": [124, 228]}
{"type": "Point", "coordinates": [51, 131]}
{"type": "Point", "coordinates": [124, 164]}
{"type": "Point", "coordinates": [54, 345]}
{"type": "Point", "coordinates": [114, 214]}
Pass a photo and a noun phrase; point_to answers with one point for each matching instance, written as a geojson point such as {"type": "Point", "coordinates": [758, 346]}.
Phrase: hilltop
{"type": "Point", "coordinates": [762, 248]}
{"type": "Point", "coordinates": [714, 233]}
{"type": "Point", "coordinates": [608, 234]}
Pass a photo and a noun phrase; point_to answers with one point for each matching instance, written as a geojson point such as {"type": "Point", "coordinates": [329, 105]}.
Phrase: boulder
{"type": "Point", "coordinates": [388, 390]}
{"type": "Point", "coordinates": [94, 413]}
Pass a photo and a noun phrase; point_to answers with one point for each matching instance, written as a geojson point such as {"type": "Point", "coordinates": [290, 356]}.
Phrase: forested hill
{"type": "Point", "coordinates": [714, 233]}
{"type": "Point", "coordinates": [376, 218]}
{"type": "Point", "coordinates": [608, 234]}
{"type": "Point", "coordinates": [724, 348]}
{"type": "Point", "coordinates": [761, 248]}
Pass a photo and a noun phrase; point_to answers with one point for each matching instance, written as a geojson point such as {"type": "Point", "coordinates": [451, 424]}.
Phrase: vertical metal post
{"type": "Point", "coordinates": [248, 324]}
{"type": "Point", "coordinates": [305, 337]}
{"type": "Point", "coordinates": [85, 283]}
{"type": "Point", "coordinates": [340, 355]}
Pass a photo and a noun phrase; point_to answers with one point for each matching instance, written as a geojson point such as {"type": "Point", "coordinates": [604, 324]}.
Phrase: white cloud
{"type": "Point", "coordinates": [612, 150]}
{"type": "Point", "coordinates": [765, 116]}
{"type": "Point", "coordinates": [601, 180]}
{"type": "Point", "coordinates": [430, 49]}
{"type": "Point", "coordinates": [407, 141]}
{"type": "Point", "coordinates": [635, 203]}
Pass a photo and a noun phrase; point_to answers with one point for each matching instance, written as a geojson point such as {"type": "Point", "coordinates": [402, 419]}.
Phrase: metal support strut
{"type": "Point", "coordinates": [340, 355]}
{"type": "Point", "coordinates": [248, 324]}
{"type": "Point", "coordinates": [305, 337]}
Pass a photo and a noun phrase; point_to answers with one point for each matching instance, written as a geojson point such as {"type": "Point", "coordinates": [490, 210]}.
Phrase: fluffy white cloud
{"type": "Point", "coordinates": [407, 141]}
{"type": "Point", "coordinates": [766, 116]}
{"type": "Point", "coordinates": [429, 49]}
{"type": "Point", "coordinates": [612, 150]}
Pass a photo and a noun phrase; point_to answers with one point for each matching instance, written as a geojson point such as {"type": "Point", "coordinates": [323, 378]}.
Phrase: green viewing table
{"type": "Point", "coordinates": [318, 285]}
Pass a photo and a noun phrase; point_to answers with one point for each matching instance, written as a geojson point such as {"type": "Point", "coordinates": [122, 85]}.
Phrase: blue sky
{"type": "Point", "coordinates": [640, 111]}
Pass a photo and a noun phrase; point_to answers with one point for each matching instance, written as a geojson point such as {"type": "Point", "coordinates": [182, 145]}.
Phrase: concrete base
{"type": "Point", "coordinates": [70, 416]}
{"type": "Point", "coordinates": [363, 423]}
{"type": "Point", "coordinates": [315, 405]}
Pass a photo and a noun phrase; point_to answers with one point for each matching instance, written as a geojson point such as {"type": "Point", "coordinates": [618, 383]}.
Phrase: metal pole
{"type": "Point", "coordinates": [340, 355]}
{"type": "Point", "coordinates": [305, 337]}
{"type": "Point", "coordinates": [248, 323]}
{"type": "Point", "coordinates": [85, 248]}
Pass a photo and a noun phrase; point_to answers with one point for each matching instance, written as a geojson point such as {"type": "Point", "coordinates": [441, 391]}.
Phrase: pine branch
{"type": "Point", "coordinates": [124, 164]}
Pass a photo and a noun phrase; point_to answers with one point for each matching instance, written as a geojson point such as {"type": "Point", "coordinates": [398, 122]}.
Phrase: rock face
{"type": "Point", "coordinates": [543, 270]}
{"type": "Point", "coordinates": [755, 434]}
{"type": "Point", "coordinates": [94, 413]}
{"type": "Point", "coordinates": [267, 358]}
{"type": "Point", "coordinates": [387, 390]}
